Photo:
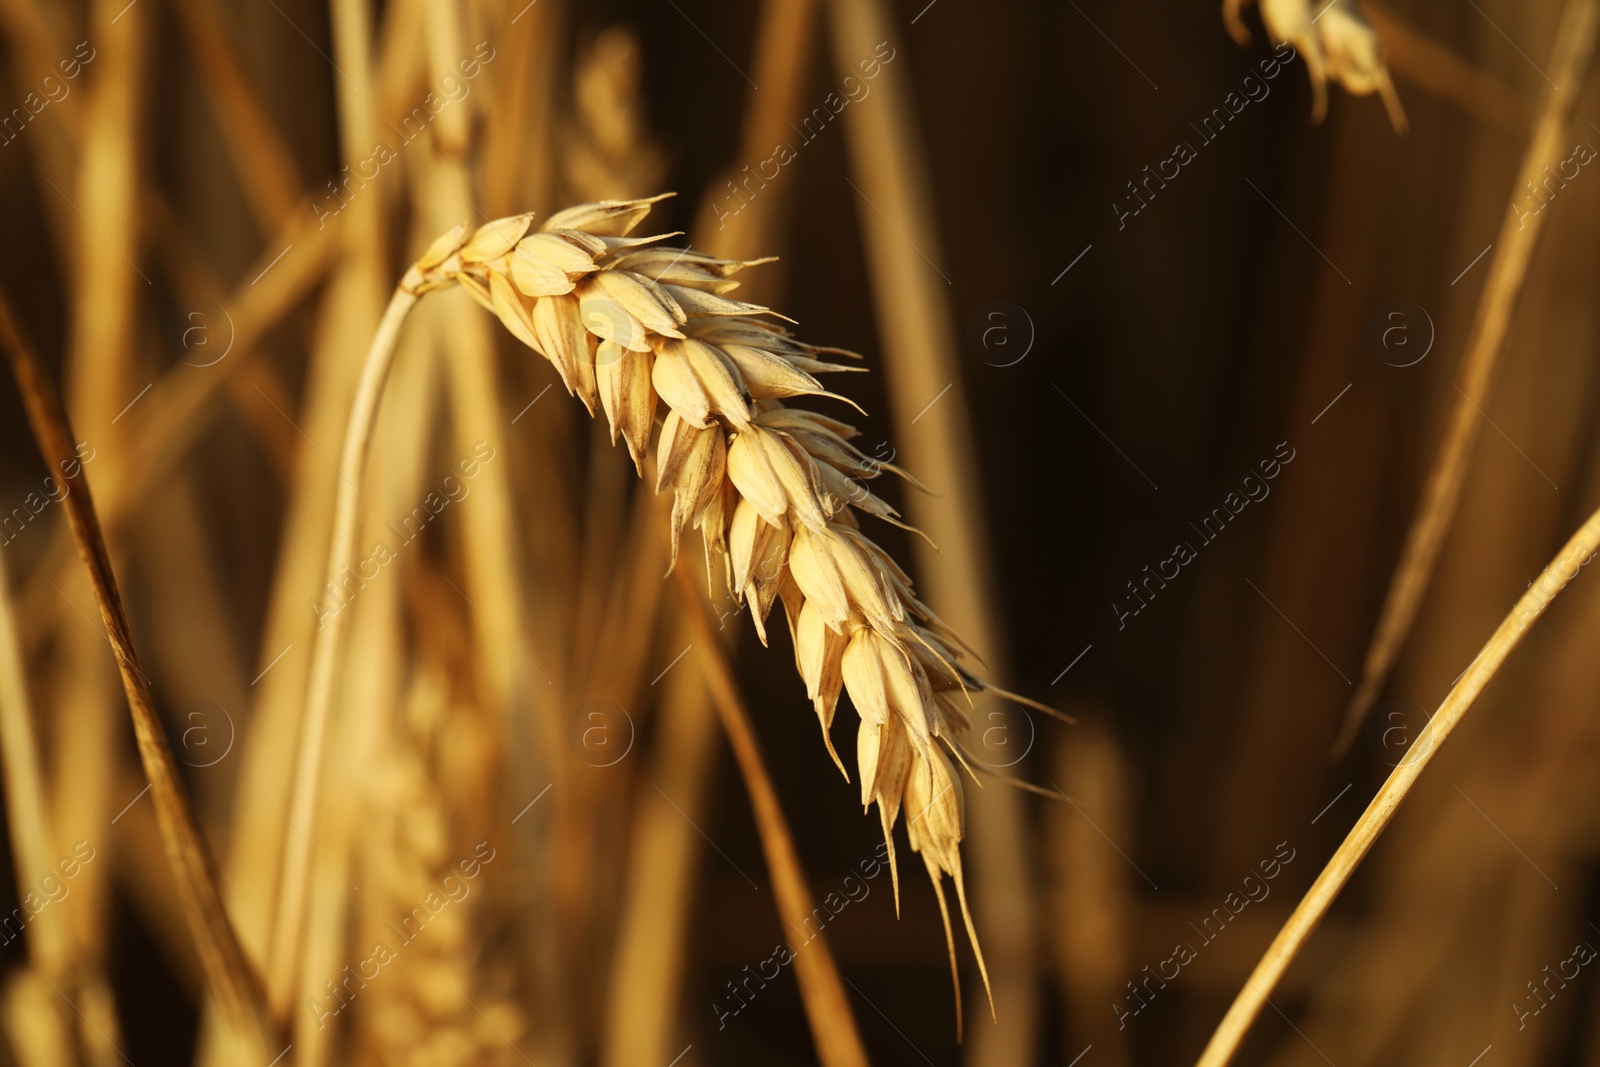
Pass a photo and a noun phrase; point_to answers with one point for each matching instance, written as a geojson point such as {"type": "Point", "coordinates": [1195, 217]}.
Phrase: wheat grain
{"type": "Point", "coordinates": [630, 326]}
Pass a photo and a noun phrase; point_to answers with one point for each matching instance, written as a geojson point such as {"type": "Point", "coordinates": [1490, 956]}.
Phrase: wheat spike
{"type": "Point", "coordinates": [607, 150]}
{"type": "Point", "coordinates": [1338, 43]}
{"type": "Point", "coordinates": [633, 326]}
{"type": "Point", "coordinates": [447, 1002]}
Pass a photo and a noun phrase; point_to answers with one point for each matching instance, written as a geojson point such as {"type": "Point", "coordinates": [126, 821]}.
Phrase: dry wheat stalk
{"type": "Point", "coordinates": [34, 1020]}
{"type": "Point", "coordinates": [36, 1033]}
{"type": "Point", "coordinates": [1571, 58]}
{"type": "Point", "coordinates": [1580, 548]}
{"type": "Point", "coordinates": [228, 971]}
{"type": "Point", "coordinates": [893, 169]}
{"type": "Point", "coordinates": [283, 952]}
{"type": "Point", "coordinates": [1337, 42]}
{"type": "Point", "coordinates": [632, 326]}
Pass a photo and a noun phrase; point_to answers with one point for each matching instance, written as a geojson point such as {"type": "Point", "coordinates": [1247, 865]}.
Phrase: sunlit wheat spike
{"type": "Point", "coordinates": [640, 327]}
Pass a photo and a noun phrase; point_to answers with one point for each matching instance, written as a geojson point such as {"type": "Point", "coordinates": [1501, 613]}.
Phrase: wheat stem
{"type": "Point", "coordinates": [1439, 71]}
{"type": "Point", "coordinates": [647, 984]}
{"type": "Point", "coordinates": [827, 1007]}
{"type": "Point", "coordinates": [261, 159]}
{"type": "Point", "coordinates": [27, 808]}
{"type": "Point", "coordinates": [283, 956]}
{"type": "Point", "coordinates": [1514, 248]}
{"type": "Point", "coordinates": [1319, 898]}
{"type": "Point", "coordinates": [227, 970]}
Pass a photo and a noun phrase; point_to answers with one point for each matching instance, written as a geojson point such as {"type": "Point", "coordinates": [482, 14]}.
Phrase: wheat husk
{"type": "Point", "coordinates": [630, 326]}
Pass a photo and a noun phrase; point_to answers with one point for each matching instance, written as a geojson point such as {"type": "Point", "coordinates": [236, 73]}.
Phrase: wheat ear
{"type": "Point", "coordinates": [1319, 898]}
{"type": "Point", "coordinates": [632, 326]}
{"type": "Point", "coordinates": [1480, 366]}
{"type": "Point", "coordinates": [1337, 42]}
{"type": "Point", "coordinates": [227, 970]}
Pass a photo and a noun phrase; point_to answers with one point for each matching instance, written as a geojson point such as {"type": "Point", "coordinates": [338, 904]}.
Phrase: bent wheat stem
{"type": "Point", "coordinates": [832, 1022]}
{"type": "Point", "coordinates": [283, 955]}
{"type": "Point", "coordinates": [1319, 898]}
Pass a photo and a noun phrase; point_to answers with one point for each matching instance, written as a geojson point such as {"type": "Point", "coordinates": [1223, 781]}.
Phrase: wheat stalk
{"type": "Point", "coordinates": [232, 978]}
{"type": "Point", "coordinates": [1319, 898]}
{"type": "Point", "coordinates": [33, 839]}
{"type": "Point", "coordinates": [822, 994]}
{"type": "Point", "coordinates": [38, 1030]}
{"type": "Point", "coordinates": [1480, 366]}
{"type": "Point", "coordinates": [283, 954]}
{"type": "Point", "coordinates": [607, 149]}
{"type": "Point", "coordinates": [632, 326]}
{"type": "Point", "coordinates": [891, 166]}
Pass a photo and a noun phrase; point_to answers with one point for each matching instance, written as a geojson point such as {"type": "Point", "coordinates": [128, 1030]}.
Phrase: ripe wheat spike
{"type": "Point", "coordinates": [635, 328]}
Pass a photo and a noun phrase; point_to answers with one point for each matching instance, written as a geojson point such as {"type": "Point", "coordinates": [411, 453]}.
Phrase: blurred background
{"type": "Point", "coordinates": [1104, 372]}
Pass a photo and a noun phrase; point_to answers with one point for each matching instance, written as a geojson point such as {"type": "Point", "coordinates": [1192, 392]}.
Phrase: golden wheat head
{"type": "Point", "coordinates": [633, 327]}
